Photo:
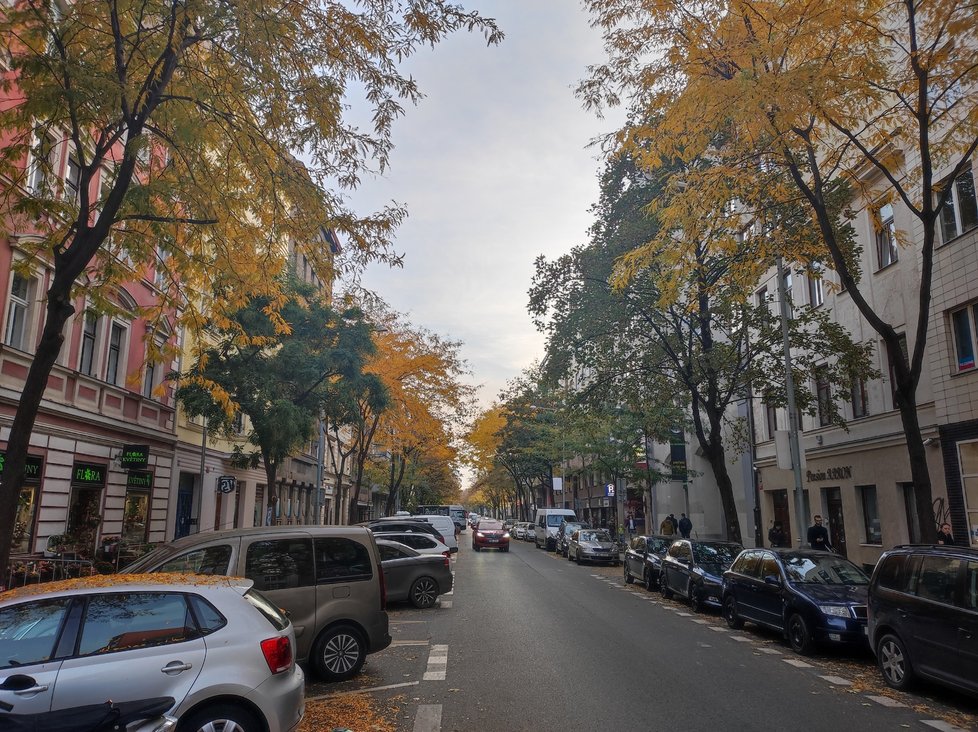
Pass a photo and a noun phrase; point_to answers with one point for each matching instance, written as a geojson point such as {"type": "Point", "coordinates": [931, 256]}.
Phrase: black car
{"type": "Point", "coordinates": [923, 616]}
{"type": "Point", "coordinates": [694, 569]}
{"type": "Point", "coordinates": [402, 525]}
{"type": "Point", "coordinates": [643, 559]}
{"type": "Point", "coordinates": [810, 596]}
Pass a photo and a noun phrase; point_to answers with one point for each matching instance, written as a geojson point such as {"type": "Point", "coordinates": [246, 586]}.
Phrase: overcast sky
{"type": "Point", "coordinates": [494, 168]}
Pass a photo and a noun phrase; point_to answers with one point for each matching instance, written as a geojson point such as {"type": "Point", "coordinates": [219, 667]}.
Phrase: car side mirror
{"type": "Point", "coordinates": [772, 579]}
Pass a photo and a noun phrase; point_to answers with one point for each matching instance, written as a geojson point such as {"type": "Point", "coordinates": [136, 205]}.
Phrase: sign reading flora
{"type": "Point", "coordinates": [88, 474]}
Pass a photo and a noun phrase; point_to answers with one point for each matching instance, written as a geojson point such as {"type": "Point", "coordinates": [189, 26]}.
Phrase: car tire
{"type": "Point", "coordinates": [695, 601]}
{"type": "Point", "coordinates": [734, 621]}
{"type": "Point", "coordinates": [647, 581]}
{"type": "Point", "coordinates": [580, 559]}
{"type": "Point", "coordinates": [664, 587]}
{"type": "Point", "coordinates": [504, 549]}
{"type": "Point", "coordinates": [424, 592]}
{"type": "Point", "coordinates": [800, 635]}
{"type": "Point", "coordinates": [628, 577]}
{"type": "Point", "coordinates": [894, 663]}
{"type": "Point", "coordinates": [221, 716]}
{"type": "Point", "coordinates": [476, 548]}
{"type": "Point", "coordinates": [570, 557]}
{"type": "Point", "coordinates": [339, 653]}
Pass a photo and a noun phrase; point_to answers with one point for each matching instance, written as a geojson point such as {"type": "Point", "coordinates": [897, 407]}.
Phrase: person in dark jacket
{"type": "Point", "coordinates": [685, 526]}
{"type": "Point", "coordinates": [775, 535]}
{"type": "Point", "coordinates": [818, 536]}
{"type": "Point", "coordinates": [671, 518]}
{"type": "Point", "coordinates": [944, 536]}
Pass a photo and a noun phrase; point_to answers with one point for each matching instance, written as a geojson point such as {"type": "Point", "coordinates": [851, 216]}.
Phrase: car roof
{"type": "Point", "coordinates": [934, 549]}
{"type": "Point", "coordinates": [173, 581]}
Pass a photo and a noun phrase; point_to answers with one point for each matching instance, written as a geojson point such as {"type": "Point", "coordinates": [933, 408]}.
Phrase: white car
{"type": "Point", "coordinates": [445, 526]}
{"type": "Point", "coordinates": [223, 652]}
{"type": "Point", "coordinates": [421, 543]}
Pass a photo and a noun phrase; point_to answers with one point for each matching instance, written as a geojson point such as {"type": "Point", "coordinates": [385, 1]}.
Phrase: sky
{"type": "Point", "coordinates": [495, 168]}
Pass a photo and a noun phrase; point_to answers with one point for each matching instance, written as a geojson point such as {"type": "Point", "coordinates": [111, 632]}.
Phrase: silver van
{"type": "Point", "coordinates": [328, 578]}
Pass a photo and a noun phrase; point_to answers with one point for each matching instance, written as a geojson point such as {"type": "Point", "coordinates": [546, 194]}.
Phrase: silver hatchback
{"type": "Point", "coordinates": [218, 648]}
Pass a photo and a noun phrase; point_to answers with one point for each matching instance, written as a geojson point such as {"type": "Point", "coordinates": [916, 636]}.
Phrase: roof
{"type": "Point", "coordinates": [130, 582]}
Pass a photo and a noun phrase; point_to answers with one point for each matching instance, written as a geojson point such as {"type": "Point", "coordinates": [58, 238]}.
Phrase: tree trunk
{"type": "Point", "coordinates": [59, 310]}
{"type": "Point", "coordinates": [919, 473]}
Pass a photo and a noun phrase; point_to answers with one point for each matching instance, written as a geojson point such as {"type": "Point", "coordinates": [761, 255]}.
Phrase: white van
{"type": "Point", "coordinates": [545, 526]}
{"type": "Point", "coordinates": [445, 526]}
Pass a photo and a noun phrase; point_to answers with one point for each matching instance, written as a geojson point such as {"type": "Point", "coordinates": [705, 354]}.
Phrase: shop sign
{"type": "Point", "coordinates": [226, 484]}
{"type": "Point", "coordinates": [842, 472]}
{"type": "Point", "coordinates": [134, 456]}
{"type": "Point", "coordinates": [609, 490]}
{"type": "Point", "coordinates": [88, 474]}
{"type": "Point", "coordinates": [32, 468]}
{"type": "Point", "coordinates": [139, 479]}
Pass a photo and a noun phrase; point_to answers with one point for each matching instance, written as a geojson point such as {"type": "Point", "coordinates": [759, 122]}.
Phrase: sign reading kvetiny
{"type": "Point", "coordinates": [32, 469]}
{"type": "Point", "coordinates": [139, 479]}
{"type": "Point", "coordinates": [134, 456]}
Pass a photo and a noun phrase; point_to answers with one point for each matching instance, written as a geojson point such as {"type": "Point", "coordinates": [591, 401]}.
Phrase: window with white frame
{"type": "Point", "coordinates": [902, 339]}
{"type": "Point", "coordinates": [115, 359]}
{"type": "Point", "coordinates": [823, 390]}
{"type": "Point", "coordinates": [770, 419]}
{"type": "Point", "coordinates": [860, 397]}
{"type": "Point", "coordinates": [968, 464]}
{"type": "Point", "coordinates": [963, 330]}
{"type": "Point", "coordinates": [816, 293]}
{"type": "Point", "coordinates": [871, 514]}
{"type": "Point", "coordinates": [43, 165]}
{"type": "Point", "coordinates": [72, 179]}
{"type": "Point", "coordinates": [19, 310]}
{"type": "Point", "coordinates": [153, 369]}
{"type": "Point", "coordinates": [960, 212]}
{"type": "Point", "coordinates": [886, 245]}
{"type": "Point", "coordinates": [89, 339]}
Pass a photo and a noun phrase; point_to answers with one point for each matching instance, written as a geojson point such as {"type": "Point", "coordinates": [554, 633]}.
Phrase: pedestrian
{"type": "Point", "coordinates": [666, 527]}
{"type": "Point", "coordinates": [818, 535]}
{"type": "Point", "coordinates": [944, 536]}
{"type": "Point", "coordinates": [685, 526]}
{"type": "Point", "coordinates": [674, 522]}
{"type": "Point", "coordinates": [775, 535]}
{"type": "Point", "coordinates": [631, 525]}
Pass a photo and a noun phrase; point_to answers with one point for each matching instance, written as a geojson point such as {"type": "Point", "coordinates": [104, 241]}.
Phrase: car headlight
{"type": "Point", "coordinates": [506, 535]}
{"type": "Point", "coordinates": [840, 611]}
{"type": "Point", "coordinates": [480, 534]}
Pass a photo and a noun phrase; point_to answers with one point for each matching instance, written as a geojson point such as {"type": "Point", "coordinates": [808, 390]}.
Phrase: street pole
{"type": "Point", "coordinates": [793, 445]}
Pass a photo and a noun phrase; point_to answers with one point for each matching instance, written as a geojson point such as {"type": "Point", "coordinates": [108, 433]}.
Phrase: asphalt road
{"type": "Point", "coordinates": [530, 641]}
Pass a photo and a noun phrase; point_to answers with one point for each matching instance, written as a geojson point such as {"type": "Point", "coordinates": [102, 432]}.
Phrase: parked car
{"type": "Point", "coordinates": [564, 532]}
{"type": "Point", "coordinates": [404, 525]}
{"type": "Point", "coordinates": [923, 616]}
{"type": "Point", "coordinates": [546, 524]}
{"type": "Point", "coordinates": [643, 559]}
{"type": "Point", "coordinates": [421, 543]}
{"type": "Point", "coordinates": [412, 576]}
{"type": "Point", "coordinates": [446, 527]}
{"type": "Point", "coordinates": [519, 530]}
{"type": "Point", "coordinates": [808, 595]}
{"type": "Point", "coordinates": [592, 545]}
{"type": "Point", "coordinates": [328, 578]}
{"type": "Point", "coordinates": [127, 637]}
{"type": "Point", "coordinates": [509, 523]}
{"type": "Point", "coordinates": [490, 534]}
{"type": "Point", "coordinates": [694, 569]}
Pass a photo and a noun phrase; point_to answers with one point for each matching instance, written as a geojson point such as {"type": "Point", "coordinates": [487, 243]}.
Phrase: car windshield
{"type": "Point", "coordinates": [715, 558]}
{"type": "Point", "coordinates": [571, 528]}
{"type": "Point", "coordinates": [658, 546]}
{"type": "Point", "coordinates": [595, 536]}
{"type": "Point", "coordinates": [553, 520]}
{"type": "Point", "coordinates": [823, 570]}
{"type": "Point", "coordinates": [490, 526]}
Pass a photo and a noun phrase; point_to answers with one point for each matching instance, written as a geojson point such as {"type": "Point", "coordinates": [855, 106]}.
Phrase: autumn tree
{"type": "Point", "coordinates": [869, 96]}
{"type": "Point", "coordinates": [280, 372]}
{"type": "Point", "coordinates": [183, 118]}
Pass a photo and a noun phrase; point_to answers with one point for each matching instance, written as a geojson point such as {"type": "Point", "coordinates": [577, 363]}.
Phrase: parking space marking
{"type": "Point", "coordinates": [362, 691]}
{"type": "Point", "coordinates": [718, 629]}
{"type": "Point", "coordinates": [700, 621]}
{"type": "Point", "coordinates": [837, 680]}
{"type": "Point", "coordinates": [681, 614]}
{"type": "Point", "coordinates": [428, 718]}
{"type": "Point", "coordinates": [741, 639]}
{"type": "Point", "coordinates": [445, 604]}
{"type": "Point", "coordinates": [943, 726]}
{"type": "Point", "coordinates": [437, 663]}
{"type": "Point", "coordinates": [796, 663]}
{"type": "Point", "coordinates": [770, 651]}
{"type": "Point", "coordinates": [409, 643]}
{"type": "Point", "coordinates": [886, 701]}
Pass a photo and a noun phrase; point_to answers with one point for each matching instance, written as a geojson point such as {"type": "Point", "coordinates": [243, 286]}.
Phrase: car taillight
{"type": "Point", "coordinates": [448, 561]}
{"type": "Point", "coordinates": [383, 587]}
{"type": "Point", "coordinates": [278, 654]}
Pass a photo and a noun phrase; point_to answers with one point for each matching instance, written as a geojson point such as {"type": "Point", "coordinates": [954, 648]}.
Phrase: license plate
{"type": "Point", "coordinates": [494, 541]}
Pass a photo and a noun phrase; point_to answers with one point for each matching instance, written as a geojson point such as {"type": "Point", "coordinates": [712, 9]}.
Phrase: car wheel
{"type": "Point", "coordinates": [476, 548]}
{"type": "Point", "coordinates": [894, 663]}
{"type": "Point", "coordinates": [649, 583]}
{"type": "Point", "coordinates": [424, 592]}
{"type": "Point", "coordinates": [504, 549]}
{"type": "Point", "coordinates": [570, 557]}
{"type": "Point", "coordinates": [339, 653]}
{"type": "Point", "coordinates": [628, 577]}
{"type": "Point", "coordinates": [730, 613]}
{"type": "Point", "coordinates": [664, 587]}
{"type": "Point", "coordinates": [580, 560]}
{"type": "Point", "coordinates": [221, 718]}
{"type": "Point", "coordinates": [695, 601]}
{"type": "Point", "coordinates": [799, 635]}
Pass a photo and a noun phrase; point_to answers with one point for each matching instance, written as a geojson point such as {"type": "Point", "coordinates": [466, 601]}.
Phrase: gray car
{"type": "Point", "coordinates": [328, 578]}
{"type": "Point", "coordinates": [564, 532]}
{"type": "Point", "coordinates": [221, 650]}
{"type": "Point", "coordinates": [418, 578]}
{"type": "Point", "coordinates": [592, 545]}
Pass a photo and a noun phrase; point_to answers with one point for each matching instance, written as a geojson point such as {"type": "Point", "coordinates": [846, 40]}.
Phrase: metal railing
{"type": "Point", "coordinates": [22, 572]}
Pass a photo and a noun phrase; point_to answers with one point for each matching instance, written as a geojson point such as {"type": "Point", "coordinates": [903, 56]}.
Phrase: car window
{"type": "Point", "coordinates": [556, 520]}
{"type": "Point", "coordinates": [127, 620]}
{"type": "Point", "coordinates": [206, 560]}
{"type": "Point", "coordinates": [971, 585]}
{"type": "Point", "coordinates": [209, 618]}
{"type": "Point", "coordinates": [892, 574]}
{"type": "Point", "coordinates": [490, 526]}
{"type": "Point", "coordinates": [29, 631]}
{"type": "Point", "coordinates": [417, 541]}
{"type": "Point", "coordinates": [769, 566]}
{"type": "Point", "coordinates": [684, 550]}
{"type": "Point", "coordinates": [638, 544]}
{"type": "Point", "coordinates": [341, 560]}
{"type": "Point", "coordinates": [748, 564]}
{"type": "Point", "coordinates": [935, 579]}
{"type": "Point", "coordinates": [658, 546]}
{"type": "Point", "coordinates": [823, 569]}
{"type": "Point", "coordinates": [267, 608]}
{"type": "Point", "coordinates": [280, 564]}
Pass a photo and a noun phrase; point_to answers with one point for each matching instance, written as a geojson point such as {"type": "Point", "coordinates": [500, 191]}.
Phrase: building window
{"type": "Point", "coordinates": [135, 519]}
{"type": "Point", "coordinates": [963, 329]}
{"type": "Point", "coordinates": [762, 298]}
{"type": "Point", "coordinates": [823, 392]}
{"type": "Point", "coordinates": [44, 164]}
{"type": "Point", "coordinates": [86, 362]}
{"type": "Point", "coordinates": [902, 338]}
{"type": "Point", "coordinates": [968, 457]}
{"type": "Point", "coordinates": [871, 514]}
{"type": "Point", "coordinates": [860, 397]}
{"type": "Point", "coordinates": [117, 338]}
{"type": "Point", "coordinates": [960, 212]}
{"type": "Point", "coordinates": [786, 280]}
{"type": "Point", "coordinates": [72, 179]}
{"type": "Point", "coordinates": [886, 246]}
{"type": "Point", "coordinates": [19, 309]}
{"type": "Point", "coordinates": [149, 379]}
{"type": "Point", "coordinates": [770, 419]}
{"type": "Point", "coordinates": [238, 424]}
{"type": "Point", "coordinates": [816, 294]}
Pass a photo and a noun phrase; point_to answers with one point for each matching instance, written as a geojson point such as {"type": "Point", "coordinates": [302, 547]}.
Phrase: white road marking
{"type": "Point", "coordinates": [837, 680]}
{"type": "Point", "coordinates": [409, 643]}
{"type": "Point", "coordinates": [943, 726]}
{"type": "Point", "coordinates": [718, 629]}
{"type": "Point", "coordinates": [796, 663]}
{"type": "Point", "coordinates": [428, 718]}
{"type": "Point", "coordinates": [445, 604]}
{"type": "Point", "coordinates": [771, 651]}
{"type": "Point", "coordinates": [700, 621]}
{"type": "Point", "coordinates": [363, 691]}
{"type": "Point", "coordinates": [437, 663]}
{"type": "Point", "coordinates": [887, 702]}
{"type": "Point", "coordinates": [681, 614]}
{"type": "Point", "coordinates": [741, 639]}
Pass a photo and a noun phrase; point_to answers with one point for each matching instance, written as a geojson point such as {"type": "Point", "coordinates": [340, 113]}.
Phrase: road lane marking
{"type": "Point", "coordinates": [837, 680]}
{"type": "Point", "coordinates": [886, 701]}
{"type": "Point", "coordinates": [409, 643]}
{"type": "Point", "coordinates": [428, 718]}
{"type": "Point", "coordinates": [445, 604]}
{"type": "Point", "coordinates": [943, 726]}
{"type": "Point", "coordinates": [700, 621]}
{"type": "Point", "coordinates": [362, 691]}
{"type": "Point", "coordinates": [437, 663]}
{"type": "Point", "coordinates": [772, 651]}
{"type": "Point", "coordinates": [796, 663]}
{"type": "Point", "coordinates": [741, 639]}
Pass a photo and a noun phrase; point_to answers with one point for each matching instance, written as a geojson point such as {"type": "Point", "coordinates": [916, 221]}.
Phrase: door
{"type": "Point", "coordinates": [968, 628]}
{"type": "Point", "coordinates": [185, 505]}
{"type": "Point", "coordinates": [635, 557]}
{"type": "Point", "coordinates": [770, 602]}
{"type": "Point", "coordinates": [28, 633]}
{"type": "Point", "coordinates": [932, 617]}
{"type": "Point", "coordinates": [779, 505]}
{"type": "Point", "coordinates": [837, 526]}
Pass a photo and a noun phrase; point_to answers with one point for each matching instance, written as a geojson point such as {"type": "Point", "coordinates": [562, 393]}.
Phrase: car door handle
{"type": "Point", "coordinates": [176, 667]}
{"type": "Point", "coordinates": [32, 691]}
